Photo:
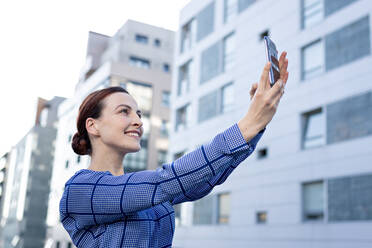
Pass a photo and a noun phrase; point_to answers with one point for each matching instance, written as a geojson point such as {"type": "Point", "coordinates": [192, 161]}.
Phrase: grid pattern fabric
{"type": "Point", "coordinates": [98, 209]}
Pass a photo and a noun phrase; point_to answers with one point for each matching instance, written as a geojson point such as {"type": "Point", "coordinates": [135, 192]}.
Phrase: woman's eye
{"type": "Point", "coordinates": [124, 110]}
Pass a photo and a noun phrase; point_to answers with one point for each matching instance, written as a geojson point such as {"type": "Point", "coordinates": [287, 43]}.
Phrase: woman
{"type": "Point", "coordinates": [104, 207]}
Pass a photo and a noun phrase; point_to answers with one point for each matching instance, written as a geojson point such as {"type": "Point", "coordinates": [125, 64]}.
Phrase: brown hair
{"type": "Point", "coordinates": [91, 107]}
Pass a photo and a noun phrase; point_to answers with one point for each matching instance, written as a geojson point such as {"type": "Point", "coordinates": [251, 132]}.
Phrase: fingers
{"type": "Point", "coordinates": [277, 98]}
{"type": "Point", "coordinates": [253, 89]}
{"type": "Point", "coordinates": [283, 65]}
{"type": "Point", "coordinates": [264, 81]}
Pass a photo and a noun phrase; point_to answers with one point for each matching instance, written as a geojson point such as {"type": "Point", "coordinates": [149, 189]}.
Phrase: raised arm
{"type": "Point", "coordinates": [96, 198]}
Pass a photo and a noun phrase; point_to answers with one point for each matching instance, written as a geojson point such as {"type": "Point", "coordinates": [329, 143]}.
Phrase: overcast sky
{"type": "Point", "coordinates": [43, 46]}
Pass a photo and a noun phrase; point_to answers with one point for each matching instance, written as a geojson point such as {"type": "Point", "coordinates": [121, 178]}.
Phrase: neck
{"type": "Point", "coordinates": [107, 159]}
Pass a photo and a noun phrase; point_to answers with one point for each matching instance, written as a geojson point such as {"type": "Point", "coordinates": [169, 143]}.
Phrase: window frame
{"type": "Point", "coordinates": [325, 201]}
{"type": "Point", "coordinates": [304, 123]}
{"type": "Point", "coordinates": [302, 52]}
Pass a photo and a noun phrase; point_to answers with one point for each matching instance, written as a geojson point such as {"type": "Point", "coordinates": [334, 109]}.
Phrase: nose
{"type": "Point", "coordinates": [137, 121]}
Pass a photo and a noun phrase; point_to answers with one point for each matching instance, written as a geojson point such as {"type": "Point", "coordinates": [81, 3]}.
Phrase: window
{"type": "Point", "coordinates": [166, 67]}
{"type": "Point", "coordinates": [78, 159]}
{"type": "Point", "coordinates": [228, 52]}
{"type": "Point", "coordinates": [166, 98]}
{"type": "Point", "coordinates": [67, 164]}
{"type": "Point", "coordinates": [142, 39]}
{"type": "Point", "coordinates": [312, 60]}
{"type": "Point", "coordinates": [162, 157]}
{"type": "Point", "coordinates": [312, 12]}
{"type": "Point", "coordinates": [70, 138]}
{"type": "Point", "coordinates": [262, 153]}
{"type": "Point", "coordinates": [137, 161]}
{"type": "Point", "coordinates": [208, 106]}
{"type": "Point", "coordinates": [244, 4]}
{"type": "Point", "coordinates": [164, 129]}
{"type": "Point", "coordinates": [313, 129]}
{"type": "Point", "coordinates": [143, 95]}
{"type": "Point", "coordinates": [227, 96]}
{"type": "Point", "coordinates": [212, 209]}
{"type": "Point", "coordinates": [203, 211]}
{"type": "Point", "coordinates": [263, 34]}
{"type": "Point", "coordinates": [178, 155]}
{"type": "Point", "coordinates": [205, 21]}
{"type": "Point", "coordinates": [223, 208]}
{"type": "Point", "coordinates": [184, 78]}
{"type": "Point", "coordinates": [138, 62]}
{"type": "Point", "coordinates": [183, 117]}
{"type": "Point", "coordinates": [313, 201]}
{"type": "Point", "coordinates": [69, 245]}
{"type": "Point", "coordinates": [157, 43]}
{"type": "Point", "coordinates": [44, 117]}
{"type": "Point", "coordinates": [230, 10]}
{"type": "Point", "coordinates": [188, 33]}
{"type": "Point", "coordinates": [58, 244]}
{"type": "Point", "coordinates": [261, 217]}
{"type": "Point", "coordinates": [348, 44]}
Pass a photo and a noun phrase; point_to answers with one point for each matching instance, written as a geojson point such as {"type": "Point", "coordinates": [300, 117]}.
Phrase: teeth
{"type": "Point", "coordinates": [133, 134]}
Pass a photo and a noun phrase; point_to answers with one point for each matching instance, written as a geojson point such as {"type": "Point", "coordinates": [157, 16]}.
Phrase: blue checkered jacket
{"type": "Point", "coordinates": [98, 209]}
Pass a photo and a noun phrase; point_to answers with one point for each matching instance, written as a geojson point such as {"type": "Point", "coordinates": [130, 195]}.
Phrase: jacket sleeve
{"type": "Point", "coordinates": [220, 177]}
{"type": "Point", "coordinates": [98, 198]}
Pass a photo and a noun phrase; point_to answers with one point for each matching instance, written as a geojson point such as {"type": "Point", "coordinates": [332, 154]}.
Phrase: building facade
{"type": "Point", "coordinates": [27, 181]}
{"type": "Point", "coordinates": [138, 58]}
{"type": "Point", "coordinates": [308, 184]}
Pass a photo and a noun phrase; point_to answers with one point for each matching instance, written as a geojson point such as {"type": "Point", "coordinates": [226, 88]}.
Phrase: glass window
{"type": "Point", "coordinates": [157, 43]}
{"type": "Point", "coordinates": [58, 244]}
{"type": "Point", "coordinates": [142, 93]}
{"type": "Point", "coordinates": [314, 129]}
{"type": "Point", "coordinates": [166, 67]}
{"type": "Point", "coordinates": [162, 157]}
{"type": "Point", "coordinates": [69, 245]}
{"type": "Point", "coordinates": [178, 155]}
{"type": "Point", "coordinates": [312, 60]}
{"type": "Point", "coordinates": [67, 164]}
{"type": "Point", "coordinates": [223, 208]}
{"type": "Point", "coordinates": [229, 52]}
{"type": "Point", "coordinates": [182, 118]}
{"type": "Point", "coordinates": [203, 211]}
{"type": "Point", "coordinates": [261, 217]}
{"type": "Point", "coordinates": [142, 39]}
{"type": "Point", "coordinates": [44, 117]}
{"type": "Point", "coordinates": [166, 98]}
{"type": "Point", "coordinates": [164, 129]}
{"type": "Point", "coordinates": [184, 78]}
{"type": "Point", "coordinates": [230, 10]}
{"type": "Point", "coordinates": [227, 97]}
{"type": "Point", "coordinates": [188, 33]}
{"type": "Point", "coordinates": [313, 201]}
{"type": "Point", "coordinates": [138, 62]}
{"type": "Point", "coordinates": [136, 161]}
{"type": "Point", "coordinates": [312, 12]}
{"type": "Point", "coordinates": [78, 159]}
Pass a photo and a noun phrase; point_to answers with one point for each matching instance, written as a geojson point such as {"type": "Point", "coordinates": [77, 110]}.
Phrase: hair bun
{"type": "Point", "coordinates": [80, 144]}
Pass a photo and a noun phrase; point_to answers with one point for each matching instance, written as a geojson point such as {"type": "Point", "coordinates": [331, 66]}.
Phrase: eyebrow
{"type": "Point", "coordinates": [125, 105]}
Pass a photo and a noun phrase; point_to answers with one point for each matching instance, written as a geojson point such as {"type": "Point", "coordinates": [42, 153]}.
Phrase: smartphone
{"type": "Point", "coordinates": [272, 57]}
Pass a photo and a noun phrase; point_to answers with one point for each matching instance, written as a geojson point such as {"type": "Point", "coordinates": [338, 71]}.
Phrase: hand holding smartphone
{"type": "Point", "coordinates": [272, 57]}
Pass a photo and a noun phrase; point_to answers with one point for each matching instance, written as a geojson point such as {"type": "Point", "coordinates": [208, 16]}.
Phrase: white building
{"type": "Point", "coordinates": [138, 58]}
{"type": "Point", "coordinates": [308, 184]}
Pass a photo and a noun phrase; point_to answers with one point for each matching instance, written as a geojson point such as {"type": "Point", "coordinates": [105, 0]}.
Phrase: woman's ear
{"type": "Point", "coordinates": [92, 126]}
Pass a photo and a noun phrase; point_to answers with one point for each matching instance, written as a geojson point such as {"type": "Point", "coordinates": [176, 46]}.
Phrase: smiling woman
{"type": "Point", "coordinates": [104, 207]}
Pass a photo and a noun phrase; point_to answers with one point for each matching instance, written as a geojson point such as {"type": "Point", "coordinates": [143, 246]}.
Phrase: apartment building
{"type": "Point", "coordinates": [138, 58]}
{"type": "Point", "coordinates": [308, 183]}
{"type": "Point", "coordinates": [28, 169]}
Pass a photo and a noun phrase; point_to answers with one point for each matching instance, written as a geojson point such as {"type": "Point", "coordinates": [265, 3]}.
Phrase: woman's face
{"type": "Point", "coordinates": [119, 115]}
